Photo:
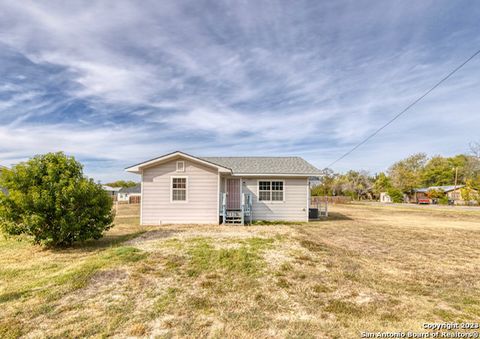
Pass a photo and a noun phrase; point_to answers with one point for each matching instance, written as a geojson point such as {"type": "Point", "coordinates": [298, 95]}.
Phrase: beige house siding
{"type": "Point", "coordinates": [460, 199]}
{"type": "Point", "coordinates": [202, 195]}
{"type": "Point", "coordinates": [293, 208]}
{"type": "Point", "coordinates": [455, 195]}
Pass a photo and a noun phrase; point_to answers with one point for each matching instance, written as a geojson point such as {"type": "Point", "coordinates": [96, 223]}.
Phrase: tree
{"type": "Point", "coordinates": [395, 194]}
{"type": "Point", "coordinates": [326, 184]}
{"type": "Point", "coordinates": [51, 200]}
{"type": "Point", "coordinates": [406, 174]}
{"type": "Point", "coordinates": [469, 194]}
{"type": "Point", "coordinates": [382, 183]}
{"type": "Point", "coordinates": [435, 194]}
{"type": "Point", "coordinates": [356, 184]}
{"type": "Point", "coordinates": [441, 171]}
{"type": "Point", "coordinates": [473, 165]}
{"type": "Point", "coordinates": [475, 149]}
{"type": "Point", "coordinates": [438, 171]}
{"type": "Point", "coordinates": [122, 183]}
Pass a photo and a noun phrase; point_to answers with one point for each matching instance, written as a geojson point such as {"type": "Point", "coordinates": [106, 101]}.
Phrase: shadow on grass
{"type": "Point", "coordinates": [109, 240]}
{"type": "Point", "coordinates": [332, 216]}
{"type": "Point", "coordinates": [158, 233]}
{"type": "Point", "coordinates": [276, 222]}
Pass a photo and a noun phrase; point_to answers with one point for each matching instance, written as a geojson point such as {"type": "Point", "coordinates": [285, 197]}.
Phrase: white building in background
{"type": "Point", "coordinates": [131, 195]}
{"type": "Point", "coordinates": [385, 198]}
{"type": "Point", "coordinates": [112, 191]}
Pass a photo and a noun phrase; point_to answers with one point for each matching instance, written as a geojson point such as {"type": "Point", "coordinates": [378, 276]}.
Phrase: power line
{"type": "Point", "coordinates": [404, 110]}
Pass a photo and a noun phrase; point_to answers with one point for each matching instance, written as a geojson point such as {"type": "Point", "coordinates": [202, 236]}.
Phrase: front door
{"type": "Point", "coordinates": [233, 194]}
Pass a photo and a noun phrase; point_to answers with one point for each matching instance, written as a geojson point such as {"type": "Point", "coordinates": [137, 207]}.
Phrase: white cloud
{"type": "Point", "coordinates": [244, 77]}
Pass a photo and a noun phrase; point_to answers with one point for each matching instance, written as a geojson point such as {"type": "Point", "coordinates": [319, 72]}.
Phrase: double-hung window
{"type": "Point", "coordinates": [179, 189]}
{"type": "Point", "coordinates": [270, 190]}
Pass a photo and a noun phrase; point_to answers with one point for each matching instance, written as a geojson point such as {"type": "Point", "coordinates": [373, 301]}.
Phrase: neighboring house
{"type": "Point", "coordinates": [385, 198]}
{"type": "Point", "coordinates": [454, 194]}
{"type": "Point", "coordinates": [131, 195]}
{"type": "Point", "coordinates": [181, 188]}
{"type": "Point", "coordinates": [112, 191]}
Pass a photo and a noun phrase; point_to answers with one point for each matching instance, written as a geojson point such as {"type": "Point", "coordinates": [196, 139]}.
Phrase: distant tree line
{"type": "Point", "coordinates": [417, 170]}
{"type": "Point", "coordinates": [122, 183]}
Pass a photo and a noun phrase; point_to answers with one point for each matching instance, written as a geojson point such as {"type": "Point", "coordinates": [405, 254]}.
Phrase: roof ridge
{"type": "Point", "coordinates": [251, 156]}
{"type": "Point", "coordinates": [262, 164]}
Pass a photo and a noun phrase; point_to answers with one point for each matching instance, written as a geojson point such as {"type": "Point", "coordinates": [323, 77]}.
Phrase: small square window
{"type": "Point", "coordinates": [180, 166]}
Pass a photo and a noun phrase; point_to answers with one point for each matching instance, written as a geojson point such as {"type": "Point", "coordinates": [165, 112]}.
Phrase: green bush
{"type": "Point", "coordinates": [51, 200]}
{"type": "Point", "coordinates": [436, 194]}
{"type": "Point", "coordinates": [396, 195]}
{"type": "Point", "coordinates": [443, 200]}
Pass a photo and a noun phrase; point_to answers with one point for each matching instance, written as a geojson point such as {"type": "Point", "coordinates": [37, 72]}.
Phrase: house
{"type": "Point", "coordinates": [385, 198]}
{"type": "Point", "coordinates": [453, 193]}
{"type": "Point", "coordinates": [131, 195]}
{"type": "Point", "coordinates": [179, 188]}
{"type": "Point", "coordinates": [112, 191]}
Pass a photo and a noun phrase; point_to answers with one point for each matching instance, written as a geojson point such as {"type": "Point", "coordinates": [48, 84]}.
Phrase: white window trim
{"type": "Point", "coordinates": [270, 201]}
{"type": "Point", "coordinates": [171, 189]}
{"type": "Point", "coordinates": [141, 201]}
{"type": "Point", "coordinates": [183, 166]}
{"type": "Point", "coordinates": [307, 210]}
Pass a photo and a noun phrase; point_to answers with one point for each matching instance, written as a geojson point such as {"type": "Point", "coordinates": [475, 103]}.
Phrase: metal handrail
{"type": "Point", "coordinates": [224, 207]}
{"type": "Point", "coordinates": [245, 207]}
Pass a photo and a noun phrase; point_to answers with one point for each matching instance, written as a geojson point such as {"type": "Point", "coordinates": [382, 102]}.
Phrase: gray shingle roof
{"type": "Point", "coordinates": [111, 189]}
{"type": "Point", "coordinates": [265, 165]}
{"type": "Point", "coordinates": [441, 188]}
{"type": "Point", "coordinates": [135, 189]}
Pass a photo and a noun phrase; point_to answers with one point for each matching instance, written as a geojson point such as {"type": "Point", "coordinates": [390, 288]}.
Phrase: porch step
{"type": "Point", "coordinates": [233, 220]}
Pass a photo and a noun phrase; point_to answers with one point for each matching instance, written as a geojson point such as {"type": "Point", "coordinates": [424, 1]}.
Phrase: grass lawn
{"type": "Point", "coordinates": [367, 268]}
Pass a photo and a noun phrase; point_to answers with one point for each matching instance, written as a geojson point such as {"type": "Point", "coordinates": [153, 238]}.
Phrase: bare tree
{"type": "Point", "coordinates": [473, 164]}
{"type": "Point", "coordinates": [475, 149]}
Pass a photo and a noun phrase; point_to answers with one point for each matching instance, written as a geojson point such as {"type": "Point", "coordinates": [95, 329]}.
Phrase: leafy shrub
{"type": "Point", "coordinates": [396, 195]}
{"type": "Point", "coordinates": [51, 200]}
{"type": "Point", "coordinates": [443, 200]}
{"type": "Point", "coordinates": [436, 194]}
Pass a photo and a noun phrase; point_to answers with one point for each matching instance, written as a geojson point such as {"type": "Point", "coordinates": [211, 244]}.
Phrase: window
{"type": "Point", "coordinates": [456, 195]}
{"type": "Point", "coordinates": [179, 189]}
{"type": "Point", "coordinates": [270, 190]}
{"type": "Point", "coordinates": [180, 166]}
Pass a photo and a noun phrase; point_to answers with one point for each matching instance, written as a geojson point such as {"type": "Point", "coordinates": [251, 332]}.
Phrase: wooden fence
{"type": "Point", "coordinates": [339, 199]}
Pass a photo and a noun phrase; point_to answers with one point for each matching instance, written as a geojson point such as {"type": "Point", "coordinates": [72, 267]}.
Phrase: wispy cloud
{"type": "Point", "coordinates": [117, 82]}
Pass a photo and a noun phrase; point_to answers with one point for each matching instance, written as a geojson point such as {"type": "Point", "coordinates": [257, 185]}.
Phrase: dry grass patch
{"type": "Point", "coordinates": [367, 268]}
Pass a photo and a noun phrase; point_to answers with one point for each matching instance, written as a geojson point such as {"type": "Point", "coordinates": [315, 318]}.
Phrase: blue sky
{"type": "Point", "coordinates": [117, 82]}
